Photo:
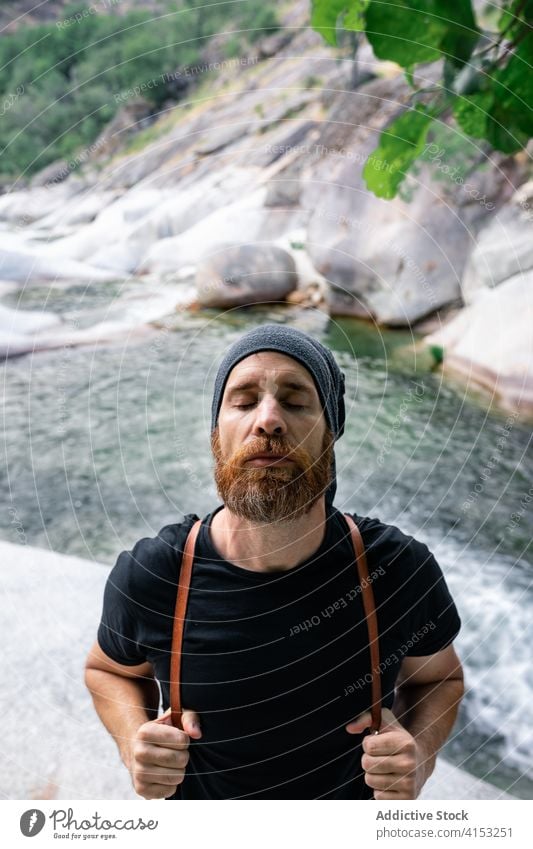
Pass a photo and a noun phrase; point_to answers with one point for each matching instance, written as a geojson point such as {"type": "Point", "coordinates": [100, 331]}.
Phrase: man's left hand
{"type": "Point", "coordinates": [393, 761]}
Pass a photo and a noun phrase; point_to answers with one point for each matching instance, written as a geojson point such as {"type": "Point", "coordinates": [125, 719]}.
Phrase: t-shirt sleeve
{"type": "Point", "coordinates": [434, 620]}
{"type": "Point", "coordinates": [120, 627]}
{"type": "Point", "coordinates": [139, 594]}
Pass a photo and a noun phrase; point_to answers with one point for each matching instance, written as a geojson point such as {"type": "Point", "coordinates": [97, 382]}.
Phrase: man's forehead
{"type": "Point", "coordinates": [272, 367]}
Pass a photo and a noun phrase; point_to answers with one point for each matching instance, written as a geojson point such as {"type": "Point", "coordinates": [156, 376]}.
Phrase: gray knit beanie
{"type": "Point", "coordinates": [314, 356]}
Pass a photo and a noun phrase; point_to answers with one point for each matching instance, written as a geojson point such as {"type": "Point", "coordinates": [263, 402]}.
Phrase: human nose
{"type": "Point", "coordinates": [269, 417]}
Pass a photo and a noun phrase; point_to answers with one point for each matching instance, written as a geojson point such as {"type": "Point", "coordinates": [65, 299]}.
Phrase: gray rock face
{"type": "Point", "coordinates": [504, 248]}
{"type": "Point", "coordinates": [246, 219]}
{"type": "Point", "coordinates": [284, 189]}
{"type": "Point", "coordinates": [278, 147]}
{"type": "Point", "coordinates": [56, 172]}
{"type": "Point", "coordinates": [221, 137]}
{"type": "Point", "coordinates": [490, 343]}
{"type": "Point", "coordinates": [133, 116]}
{"type": "Point", "coordinates": [245, 274]}
{"type": "Point", "coordinates": [392, 261]}
{"type": "Point", "coordinates": [24, 264]}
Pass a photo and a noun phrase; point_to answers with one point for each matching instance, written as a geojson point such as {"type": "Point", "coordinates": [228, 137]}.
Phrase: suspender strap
{"type": "Point", "coordinates": [371, 621]}
{"type": "Point", "coordinates": [182, 597]}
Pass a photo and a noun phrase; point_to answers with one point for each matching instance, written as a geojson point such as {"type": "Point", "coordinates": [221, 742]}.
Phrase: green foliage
{"type": "Point", "coordinates": [398, 148]}
{"type": "Point", "coordinates": [513, 17]}
{"type": "Point", "coordinates": [325, 15]}
{"type": "Point", "coordinates": [61, 83]}
{"type": "Point", "coordinates": [437, 352]}
{"type": "Point", "coordinates": [452, 154]}
{"type": "Point", "coordinates": [486, 83]}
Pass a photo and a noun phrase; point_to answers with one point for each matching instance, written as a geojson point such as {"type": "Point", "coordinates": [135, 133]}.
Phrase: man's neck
{"type": "Point", "coordinates": [274, 547]}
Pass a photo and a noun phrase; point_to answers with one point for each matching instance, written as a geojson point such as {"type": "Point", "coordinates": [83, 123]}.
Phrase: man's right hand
{"type": "Point", "coordinates": [159, 754]}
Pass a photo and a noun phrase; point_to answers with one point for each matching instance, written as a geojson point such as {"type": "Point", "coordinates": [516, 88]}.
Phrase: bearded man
{"type": "Point", "coordinates": [275, 663]}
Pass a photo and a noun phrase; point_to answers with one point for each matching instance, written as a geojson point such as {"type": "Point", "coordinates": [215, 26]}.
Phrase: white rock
{"type": "Point", "coordinates": [188, 205]}
{"type": "Point", "coordinates": [26, 321]}
{"type": "Point", "coordinates": [174, 215]}
{"type": "Point", "coordinates": [27, 263]}
{"type": "Point", "coordinates": [78, 210]}
{"type": "Point", "coordinates": [490, 342]}
{"type": "Point", "coordinates": [504, 248]}
{"type": "Point", "coordinates": [132, 314]}
{"type": "Point", "coordinates": [244, 221]}
{"type": "Point", "coordinates": [387, 259]}
{"type": "Point", "coordinates": [113, 225]}
{"type": "Point", "coordinates": [30, 205]}
{"type": "Point", "coordinates": [18, 329]}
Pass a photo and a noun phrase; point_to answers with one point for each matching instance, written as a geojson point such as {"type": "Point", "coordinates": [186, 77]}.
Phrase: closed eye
{"type": "Point", "coordinates": [291, 406]}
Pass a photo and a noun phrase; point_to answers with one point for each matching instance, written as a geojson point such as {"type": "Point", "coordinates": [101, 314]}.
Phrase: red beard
{"type": "Point", "coordinates": [272, 493]}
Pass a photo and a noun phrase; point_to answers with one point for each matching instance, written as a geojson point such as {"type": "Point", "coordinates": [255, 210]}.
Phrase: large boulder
{"type": "Point", "coordinates": [504, 248]}
{"type": "Point", "coordinates": [490, 343]}
{"type": "Point", "coordinates": [394, 261]}
{"type": "Point", "coordinates": [245, 274]}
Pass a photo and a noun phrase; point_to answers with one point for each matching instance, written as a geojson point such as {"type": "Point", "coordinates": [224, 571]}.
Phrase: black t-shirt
{"type": "Point", "coordinates": [276, 664]}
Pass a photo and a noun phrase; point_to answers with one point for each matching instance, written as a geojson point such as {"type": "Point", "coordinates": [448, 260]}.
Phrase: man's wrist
{"type": "Point", "coordinates": [426, 758]}
{"type": "Point", "coordinates": [126, 741]}
{"type": "Point", "coordinates": [426, 752]}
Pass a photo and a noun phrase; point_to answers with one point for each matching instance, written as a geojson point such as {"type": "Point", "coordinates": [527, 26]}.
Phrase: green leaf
{"type": "Point", "coordinates": [472, 112]}
{"type": "Point", "coordinates": [437, 352]}
{"type": "Point", "coordinates": [404, 32]}
{"type": "Point", "coordinates": [463, 33]}
{"type": "Point", "coordinates": [502, 131]}
{"type": "Point", "coordinates": [503, 112]}
{"type": "Point", "coordinates": [410, 76]}
{"type": "Point", "coordinates": [399, 145]}
{"type": "Point", "coordinates": [513, 87]}
{"type": "Point", "coordinates": [413, 31]}
{"type": "Point", "coordinates": [324, 17]}
{"type": "Point", "coordinates": [511, 23]}
{"type": "Point", "coordinates": [355, 17]}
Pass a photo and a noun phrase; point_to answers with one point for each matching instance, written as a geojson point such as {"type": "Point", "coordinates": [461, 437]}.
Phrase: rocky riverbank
{"type": "Point", "coordinates": [249, 189]}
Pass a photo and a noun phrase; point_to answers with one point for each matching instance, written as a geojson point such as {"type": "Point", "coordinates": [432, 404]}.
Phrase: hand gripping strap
{"type": "Point", "coordinates": [371, 621]}
{"type": "Point", "coordinates": [182, 596]}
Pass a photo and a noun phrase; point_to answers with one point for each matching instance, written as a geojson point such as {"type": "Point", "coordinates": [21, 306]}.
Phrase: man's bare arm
{"type": "Point", "coordinates": [428, 693]}
{"type": "Point", "coordinates": [399, 760]}
{"type": "Point", "coordinates": [125, 697]}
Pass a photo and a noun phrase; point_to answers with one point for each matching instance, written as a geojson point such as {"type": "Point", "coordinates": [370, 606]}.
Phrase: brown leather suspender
{"type": "Point", "coordinates": [371, 621]}
{"type": "Point", "coordinates": [182, 596]}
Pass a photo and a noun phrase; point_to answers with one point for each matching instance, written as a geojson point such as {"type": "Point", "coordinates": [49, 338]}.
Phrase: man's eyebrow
{"type": "Point", "coordinates": [251, 384]}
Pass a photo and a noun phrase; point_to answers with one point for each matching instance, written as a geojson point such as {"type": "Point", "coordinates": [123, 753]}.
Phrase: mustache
{"type": "Point", "coordinates": [269, 446]}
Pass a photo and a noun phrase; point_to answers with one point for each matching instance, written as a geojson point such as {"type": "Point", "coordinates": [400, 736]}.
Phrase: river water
{"type": "Point", "coordinates": [106, 445]}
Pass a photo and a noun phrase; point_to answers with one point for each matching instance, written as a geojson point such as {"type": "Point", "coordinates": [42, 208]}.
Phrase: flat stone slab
{"type": "Point", "coordinates": [57, 747]}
